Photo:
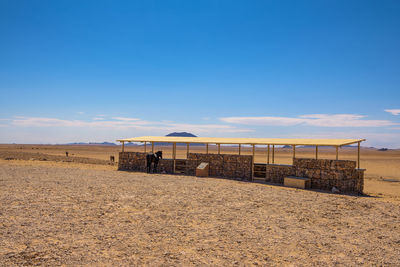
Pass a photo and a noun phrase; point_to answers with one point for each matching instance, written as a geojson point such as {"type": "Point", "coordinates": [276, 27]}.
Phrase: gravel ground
{"type": "Point", "coordinates": [10, 155]}
{"type": "Point", "coordinates": [60, 214]}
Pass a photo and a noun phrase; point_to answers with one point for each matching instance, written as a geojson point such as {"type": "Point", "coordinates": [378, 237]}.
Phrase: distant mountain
{"type": "Point", "coordinates": [103, 144]}
{"type": "Point", "coordinates": [181, 134]}
{"type": "Point", "coordinates": [93, 144]}
{"type": "Point", "coordinates": [80, 143]}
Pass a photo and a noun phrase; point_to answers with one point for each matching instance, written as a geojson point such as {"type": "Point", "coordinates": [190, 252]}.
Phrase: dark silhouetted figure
{"type": "Point", "coordinates": [66, 154]}
{"type": "Point", "coordinates": [153, 158]}
{"type": "Point", "coordinates": [112, 159]}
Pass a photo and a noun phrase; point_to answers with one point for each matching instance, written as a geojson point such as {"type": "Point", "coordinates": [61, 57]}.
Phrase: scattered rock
{"type": "Point", "coordinates": [335, 190]}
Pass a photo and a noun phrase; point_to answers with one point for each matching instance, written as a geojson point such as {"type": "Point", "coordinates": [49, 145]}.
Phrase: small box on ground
{"type": "Point", "coordinates": [202, 170]}
{"type": "Point", "coordinates": [297, 182]}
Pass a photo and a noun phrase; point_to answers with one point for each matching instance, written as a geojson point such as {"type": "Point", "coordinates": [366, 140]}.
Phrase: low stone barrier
{"type": "Point", "coordinates": [136, 161]}
{"type": "Point", "coordinates": [222, 165]}
{"type": "Point", "coordinates": [132, 161]}
{"type": "Point", "coordinates": [324, 173]}
{"type": "Point", "coordinates": [276, 172]}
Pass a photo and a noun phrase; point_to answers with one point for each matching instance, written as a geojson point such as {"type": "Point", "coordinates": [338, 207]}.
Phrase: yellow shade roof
{"type": "Point", "coordinates": [244, 141]}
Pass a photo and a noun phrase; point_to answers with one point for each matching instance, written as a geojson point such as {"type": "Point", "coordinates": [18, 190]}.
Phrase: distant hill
{"type": "Point", "coordinates": [181, 134]}
{"type": "Point", "coordinates": [93, 144]}
{"type": "Point", "coordinates": [103, 144]}
{"type": "Point", "coordinates": [383, 149]}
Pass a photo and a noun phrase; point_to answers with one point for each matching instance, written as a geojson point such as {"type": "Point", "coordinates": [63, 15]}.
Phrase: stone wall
{"type": "Point", "coordinates": [136, 161]}
{"type": "Point", "coordinates": [324, 174]}
{"type": "Point", "coordinates": [166, 166]}
{"type": "Point", "coordinates": [132, 161]}
{"type": "Point", "coordinates": [222, 165]}
{"type": "Point", "coordinates": [276, 172]}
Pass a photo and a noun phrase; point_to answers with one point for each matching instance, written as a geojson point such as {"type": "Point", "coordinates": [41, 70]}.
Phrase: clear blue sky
{"type": "Point", "coordinates": [100, 70]}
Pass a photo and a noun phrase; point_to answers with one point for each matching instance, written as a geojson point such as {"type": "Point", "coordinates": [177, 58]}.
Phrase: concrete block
{"type": "Point", "coordinates": [297, 182]}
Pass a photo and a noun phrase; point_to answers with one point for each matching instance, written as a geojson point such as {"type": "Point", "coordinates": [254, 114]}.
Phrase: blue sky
{"type": "Point", "coordinates": [101, 70]}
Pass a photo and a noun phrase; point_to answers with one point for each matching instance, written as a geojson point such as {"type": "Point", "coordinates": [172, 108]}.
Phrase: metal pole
{"type": "Point", "coordinates": [123, 146]}
{"type": "Point", "coordinates": [268, 155]}
{"type": "Point", "coordinates": [316, 152]}
{"type": "Point", "coordinates": [358, 156]}
{"type": "Point", "coordinates": [207, 148]}
{"type": "Point", "coordinates": [239, 148]}
{"type": "Point", "coordinates": [145, 143]}
{"type": "Point", "coordinates": [152, 147]}
{"type": "Point", "coordinates": [187, 150]}
{"type": "Point", "coordinates": [273, 154]}
{"type": "Point", "coordinates": [219, 149]}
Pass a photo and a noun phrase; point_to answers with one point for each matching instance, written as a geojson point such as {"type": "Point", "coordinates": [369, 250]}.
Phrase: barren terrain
{"type": "Point", "coordinates": [382, 176]}
{"type": "Point", "coordinates": [55, 213]}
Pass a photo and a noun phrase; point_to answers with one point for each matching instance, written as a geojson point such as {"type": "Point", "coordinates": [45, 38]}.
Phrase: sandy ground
{"type": "Point", "coordinates": [58, 213]}
{"type": "Point", "coordinates": [382, 176]}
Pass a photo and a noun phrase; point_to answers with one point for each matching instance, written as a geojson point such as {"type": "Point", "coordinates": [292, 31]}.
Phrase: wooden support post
{"type": "Point", "coordinates": [152, 147]}
{"type": "Point", "coordinates": [358, 155]}
{"type": "Point", "coordinates": [187, 150]}
{"type": "Point", "coordinates": [273, 154]}
{"type": "Point", "coordinates": [145, 143]}
{"type": "Point", "coordinates": [240, 148]}
{"type": "Point", "coordinates": [174, 155]}
{"type": "Point", "coordinates": [219, 149]}
{"type": "Point", "coordinates": [337, 153]}
{"type": "Point", "coordinates": [207, 148]}
{"type": "Point", "coordinates": [123, 146]}
{"type": "Point", "coordinates": [266, 166]}
{"type": "Point", "coordinates": [294, 151]}
{"type": "Point", "coordinates": [316, 152]}
{"type": "Point", "coordinates": [252, 165]}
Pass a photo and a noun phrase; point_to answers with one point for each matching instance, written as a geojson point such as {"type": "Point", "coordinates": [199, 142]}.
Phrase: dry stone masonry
{"type": "Point", "coordinates": [324, 174]}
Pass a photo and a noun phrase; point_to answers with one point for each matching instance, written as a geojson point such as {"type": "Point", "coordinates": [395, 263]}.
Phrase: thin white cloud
{"type": "Point", "coordinates": [125, 123]}
{"type": "Point", "coordinates": [98, 119]}
{"type": "Point", "coordinates": [54, 122]}
{"type": "Point", "coordinates": [206, 128]}
{"type": "Point", "coordinates": [320, 120]}
{"type": "Point", "coordinates": [395, 112]}
{"type": "Point", "coordinates": [80, 112]}
{"type": "Point", "coordinates": [125, 119]}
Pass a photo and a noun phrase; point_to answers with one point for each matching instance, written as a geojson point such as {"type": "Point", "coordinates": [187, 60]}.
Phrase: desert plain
{"type": "Point", "coordinates": [79, 210]}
